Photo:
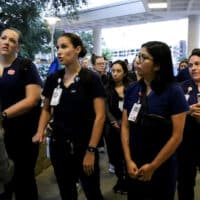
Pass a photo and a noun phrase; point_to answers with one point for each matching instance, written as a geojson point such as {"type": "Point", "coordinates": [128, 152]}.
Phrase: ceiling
{"type": "Point", "coordinates": [129, 12]}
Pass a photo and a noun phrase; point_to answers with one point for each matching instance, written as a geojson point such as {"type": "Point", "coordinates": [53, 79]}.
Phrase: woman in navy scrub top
{"type": "Point", "coordinates": [152, 125]}
{"type": "Point", "coordinates": [188, 153]}
{"type": "Point", "coordinates": [20, 89]}
{"type": "Point", "coordinates": [77, 98]}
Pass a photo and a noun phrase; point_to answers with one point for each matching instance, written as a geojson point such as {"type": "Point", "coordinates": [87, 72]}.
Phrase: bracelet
{"type": "Point", "coordinates": [91, 149]}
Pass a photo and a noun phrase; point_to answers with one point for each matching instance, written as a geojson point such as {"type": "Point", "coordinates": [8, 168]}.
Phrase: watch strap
{"type": "Point", "coordinates": [91, 149]}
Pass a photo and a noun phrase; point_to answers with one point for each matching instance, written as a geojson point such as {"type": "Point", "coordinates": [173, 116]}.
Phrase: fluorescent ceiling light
{"type": "Point", "coordinates": [157, 5]}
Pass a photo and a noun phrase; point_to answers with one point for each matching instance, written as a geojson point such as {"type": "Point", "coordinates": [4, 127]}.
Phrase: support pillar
{"type": "Point", "coordinates": [193, 32]}
{"type": "Point", "coordinates": [97, 41]}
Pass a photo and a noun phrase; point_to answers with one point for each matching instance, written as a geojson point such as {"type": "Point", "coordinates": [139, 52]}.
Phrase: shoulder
{"type": "Point", "coordinates": [186, 83]}
{"type": "Point", "coordinates": [176, 99]}
{"type": "Point", "coordinates": [55, 76]}
{"type": "Point", "coordinates": [174, 88]}
{"type": "Point", "coordinates": [133, 85]}
{"type": "Point", "coordinates": [174, 93]}
{"type": "Point", "coordinates": [24, 63]}
{"type": "Point", "coordinates": [87, 75]}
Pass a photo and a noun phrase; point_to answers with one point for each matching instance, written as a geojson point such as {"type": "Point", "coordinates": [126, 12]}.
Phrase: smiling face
{"type": "Point", "coordinates": [67, 53]}
{"type": "Point", "coordinates": [194, 67]}
{"type": "Point", "coordinates": [9, 43]}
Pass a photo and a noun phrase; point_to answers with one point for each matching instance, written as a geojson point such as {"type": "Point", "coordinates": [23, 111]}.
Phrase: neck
{"type": "Point", "coordinates": [6, 61]}
{"type": "Point", "coordinates": [198, 86]}
{"type": "Point", "coordinates": [118, 84]}
{"type": "Point", "coordinates": [73, 69]}
{"type": "Point", "coordinates": [147, 82]}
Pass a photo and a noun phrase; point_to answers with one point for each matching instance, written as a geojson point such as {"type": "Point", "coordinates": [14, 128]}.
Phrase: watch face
{"type": "Point", "coordinates": [91, 149]}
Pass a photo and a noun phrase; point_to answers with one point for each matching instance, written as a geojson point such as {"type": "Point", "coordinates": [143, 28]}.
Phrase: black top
{"type": "Point", "coordinates": [74, 115]}
{"type": "Point", "coordinates": [13, 82]}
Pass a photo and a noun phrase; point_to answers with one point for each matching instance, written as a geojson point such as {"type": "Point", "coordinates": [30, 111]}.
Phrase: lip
{"type": "Point", "coordinates": [195, 74]}
{"type": "Point", "coordinates": [4, 48]}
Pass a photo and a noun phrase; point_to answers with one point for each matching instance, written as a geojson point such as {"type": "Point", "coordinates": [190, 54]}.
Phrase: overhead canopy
{"type": "Point", "coordinates": [129, 12]}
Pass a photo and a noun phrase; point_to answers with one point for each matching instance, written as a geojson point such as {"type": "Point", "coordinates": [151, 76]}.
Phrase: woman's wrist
{"type": "Point", "coordinates": [91, 149]}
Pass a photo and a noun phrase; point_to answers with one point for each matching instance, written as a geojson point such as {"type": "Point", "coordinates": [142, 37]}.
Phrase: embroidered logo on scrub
{"type": "Point", "coordinates": [11, 72]}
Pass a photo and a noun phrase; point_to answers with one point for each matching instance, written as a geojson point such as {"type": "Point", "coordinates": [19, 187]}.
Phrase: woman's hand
{"type": "Point", "coordinates": [132, 169]}
{"type": "Point", "coordinates": [39, 137]}
{"type": "Point", "coordinates": [195, 111]}
{"type": "Point", "coordinates": [88, 163]}
{"type": "Point", "coordinates": [145, 172]}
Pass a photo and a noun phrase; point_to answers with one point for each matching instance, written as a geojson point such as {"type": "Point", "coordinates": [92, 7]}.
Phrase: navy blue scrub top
{"type": "Point", "coordinates": [192, 126]}
{"type": "Point", "coordinates": [146, 143]}
{"type": "Point", "coordinates": [190, 88]}
{"type": "Point", "coordinates": [74, 115]}
{"type": "Point", "coordinates": [170, 102]}
{"type": "Point", "coordinates": [12, 90]}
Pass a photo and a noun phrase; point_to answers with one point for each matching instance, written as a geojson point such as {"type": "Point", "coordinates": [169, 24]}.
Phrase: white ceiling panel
{"type": "Point", "coordinates": [129, 12]}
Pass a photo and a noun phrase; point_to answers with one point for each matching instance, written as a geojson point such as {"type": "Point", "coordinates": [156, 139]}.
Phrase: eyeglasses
{"type": "Point", "coordinates": [100, 63]}
{"type": "Point", "coordinates": [196, 64]}
{"type": "Point", "coordinates": [143, 57]}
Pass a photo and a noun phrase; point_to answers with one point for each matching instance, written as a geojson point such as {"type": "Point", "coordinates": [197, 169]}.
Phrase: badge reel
{"type": "Point", "coordinates": [55, 99]}
{"type": "Point", "coordinates": [134, 112]}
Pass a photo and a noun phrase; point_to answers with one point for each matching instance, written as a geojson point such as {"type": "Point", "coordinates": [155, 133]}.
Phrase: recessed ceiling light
{"type": "Point", "coordinates": [157, 5]}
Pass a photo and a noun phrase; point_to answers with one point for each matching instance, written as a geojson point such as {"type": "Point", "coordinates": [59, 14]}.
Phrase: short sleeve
{"type": "Point", "coordinates": [31, 75]}
{"type": "Point", "coordinates": [49, 86]}
{"type": "Point", "coordinates": [177, 100]}
{"type": "Point", "coordinates": [97, 88]}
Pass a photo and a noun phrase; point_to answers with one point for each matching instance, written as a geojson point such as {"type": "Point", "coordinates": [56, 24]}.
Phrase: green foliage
{"type": "Point", "coordinates": [107, 54]}
{"type": "Point", "coordinates": [88, 40]}
{"type": "Point", "coordinates": [25, 15]}
{"type": "Point", "coordinates": [69, 6]}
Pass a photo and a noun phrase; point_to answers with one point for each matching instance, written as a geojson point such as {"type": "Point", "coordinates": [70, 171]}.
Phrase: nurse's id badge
{"type": "Point", "coordinates": [134, 112]}
{"type": "Point", "coordinates": [120, 105]}
{"type": "Point", "coordinates": [55, 99]}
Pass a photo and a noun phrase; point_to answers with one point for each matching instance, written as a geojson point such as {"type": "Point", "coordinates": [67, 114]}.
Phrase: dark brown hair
{"type": "Point", "coordinates": [76, 41]}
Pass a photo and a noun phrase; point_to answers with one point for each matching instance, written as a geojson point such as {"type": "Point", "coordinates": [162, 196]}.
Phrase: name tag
{"type": "Point", "coordinates": [134, 112]}
{"type": "Point", "coordinates": [55, 99]}
{"type": "Point", "coordinates": [187, 96]}
{"type": "Point", "coordinates": [120, 105]}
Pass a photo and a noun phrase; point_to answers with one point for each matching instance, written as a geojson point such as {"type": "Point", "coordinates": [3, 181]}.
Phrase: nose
{"type": "Point", "coordinates": [58, 51]}
{"type": "Point", "coordinates": [114, 73]}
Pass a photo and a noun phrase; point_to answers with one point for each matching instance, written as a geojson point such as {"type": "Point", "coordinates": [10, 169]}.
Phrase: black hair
{"type": "Point", "coordinates": [161, 54]}
{"type": "Point", "coordinates": [76, 41]}
{"type": "Point", "coordinates": [185, 60]}
{"type": "Point", "coordinates": [195, 52]}
{"type": "Point", "coordinates": [126, 79]}
{"type": "Point", "coordinates": [94, 57]}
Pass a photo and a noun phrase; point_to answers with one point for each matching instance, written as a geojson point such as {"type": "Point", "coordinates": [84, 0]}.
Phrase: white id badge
{"type": "Point", "coordinates": [134, 112]}
{"type": "Point", "coordinates": [187, 96]}
{"type": "Point", "coordinates": [120, 105]}
{"type": "Point", "coordinates": [55, 99]}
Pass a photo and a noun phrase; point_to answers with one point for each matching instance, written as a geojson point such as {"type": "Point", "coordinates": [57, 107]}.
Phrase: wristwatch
{"type": "Point", "coordinates": [4, 115]}
{"type": "Point", "coordinates": [91, 149]}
